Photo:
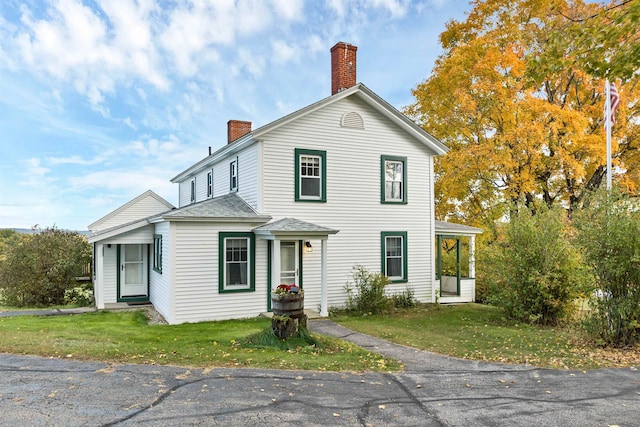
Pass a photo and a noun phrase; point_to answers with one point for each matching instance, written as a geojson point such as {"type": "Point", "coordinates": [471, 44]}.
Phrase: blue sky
{"type": "Point", "coordinates": [102, 100]}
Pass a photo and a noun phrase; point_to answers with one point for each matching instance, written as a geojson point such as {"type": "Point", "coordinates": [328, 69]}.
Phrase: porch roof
{"type": "Point", "coordinates": [223, 208]}
{"type": "Point", "coordinates": [451, 228]}
{"type": "Point", "coordinates": [117, 230]}
{"type": "Point", "coordinates": [292, 227]}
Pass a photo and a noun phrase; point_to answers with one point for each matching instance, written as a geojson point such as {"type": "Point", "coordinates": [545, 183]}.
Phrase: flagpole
{"type": "Point", "coordinates": [607, 123]}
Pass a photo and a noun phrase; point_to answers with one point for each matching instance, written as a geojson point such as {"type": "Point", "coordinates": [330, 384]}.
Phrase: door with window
{"type": "Point", "coordinates": [133, 271]}
{"type": "Point", "coordinates": [289, 263]}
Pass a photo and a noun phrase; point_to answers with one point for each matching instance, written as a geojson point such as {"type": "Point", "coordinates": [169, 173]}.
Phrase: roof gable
{"type": "Point", "coordinates": [145, 205]}
{"type": "Point", "coordinates": [359, 90]}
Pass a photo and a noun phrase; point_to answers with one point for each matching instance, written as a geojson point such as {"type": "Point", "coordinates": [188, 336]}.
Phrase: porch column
{"type": "Point", "coordinates": [472, 256]}
{"type": "Point", "coordinates": [324, 311]}
{"type": "Point", "coordinates": [472, 264]}
{"type": "Point", "coordinates": [275, 265]}
{"type": "Point", "coordinates": [98, 284]}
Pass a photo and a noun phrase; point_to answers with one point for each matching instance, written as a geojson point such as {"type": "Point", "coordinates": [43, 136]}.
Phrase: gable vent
{"type": "Point", "coordinates": [352, 120]}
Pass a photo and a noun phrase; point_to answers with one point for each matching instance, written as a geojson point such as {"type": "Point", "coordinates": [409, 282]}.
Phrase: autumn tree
{"type": "Point", "coordinates": [519, 128]}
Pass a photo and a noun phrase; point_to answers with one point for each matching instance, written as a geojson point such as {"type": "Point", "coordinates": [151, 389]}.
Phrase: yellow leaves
{"type": "Point", "coordinates": [513, 132]}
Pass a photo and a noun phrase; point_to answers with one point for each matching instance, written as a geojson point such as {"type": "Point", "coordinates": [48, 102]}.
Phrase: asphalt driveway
{"type": "Point", "coordinates": [433, 391]}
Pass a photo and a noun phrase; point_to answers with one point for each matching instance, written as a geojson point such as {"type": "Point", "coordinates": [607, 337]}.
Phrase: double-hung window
{"type": "Point", "coordinates": [210, 184]}
{"type": "Point", "coordinates": [236, 262]}
{"type": "Point", "coordinates": [193, 190]}
{"type": "Point", "coordinates": [310, 175]}
{"type": "Point", "coordinates": [393, 179]}
{"type": "Point", "coordinates": [157, 253]}
{"type": "Point", "coordinates": [394, 255]}
{"type": "Point", "coordinates": [233, 175]}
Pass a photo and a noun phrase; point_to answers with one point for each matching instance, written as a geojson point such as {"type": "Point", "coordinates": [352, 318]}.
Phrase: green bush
{"type": "Point", "coordinates": [406, 299]}
{"type": "Point", "coordinates": [538, 273]}
{"type": "Point", "coordinates": [81, 296]}
{"type": "Point", "coordinates": [609, 234]}
{"type": "Point", "coordinates": [366, 293]}
{"type": "Point", "coordinates": [42, 267]}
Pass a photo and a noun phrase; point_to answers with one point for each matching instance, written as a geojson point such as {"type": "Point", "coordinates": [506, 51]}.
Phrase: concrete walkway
{"type": "Point", "coordinates": [47, 312]}
{"type": "Point", "coordinates": [414, 360]}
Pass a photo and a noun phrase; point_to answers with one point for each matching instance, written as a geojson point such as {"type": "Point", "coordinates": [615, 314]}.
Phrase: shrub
{"type": "Point", "coordinates": [406, 299]}
{"type": "Point", "coordinates": [541, 273]}
{"type": "Point", "coordinates": [609, 233]}
{"type": "Point", "coordinates": [41, 268]}
{"type": "Point", "coordinates": [81, 296]}
{"type": "Point", "coordinates": [366, 293]}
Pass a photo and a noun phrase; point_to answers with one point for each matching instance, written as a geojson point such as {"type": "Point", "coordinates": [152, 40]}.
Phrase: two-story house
{"type": "Point", "coordinates": [345, 181]}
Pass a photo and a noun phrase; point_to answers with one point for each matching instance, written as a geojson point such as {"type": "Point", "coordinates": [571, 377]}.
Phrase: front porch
{"type": "Point", "coordinates": [455, 263]}
{"type": "Point", "coordinates": [289, 245]}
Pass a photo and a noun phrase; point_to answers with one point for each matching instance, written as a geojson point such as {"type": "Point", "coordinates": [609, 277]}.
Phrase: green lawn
{"type": "Point", "coordinates": [125, 337]}
{"type": "Point", "coordinates": [469, 331]}
{"type": "Point", "coordinates": [474, 331]}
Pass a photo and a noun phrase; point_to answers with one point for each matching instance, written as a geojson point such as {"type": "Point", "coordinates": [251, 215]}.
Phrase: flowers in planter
{"type": "Point", "coordinates": [287, 289]}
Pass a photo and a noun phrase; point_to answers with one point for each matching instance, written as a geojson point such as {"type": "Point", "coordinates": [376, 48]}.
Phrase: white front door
{"type": "Point", "coordinates": [133, 271]}
{"type": "Point", "coordinates": [289, 262]}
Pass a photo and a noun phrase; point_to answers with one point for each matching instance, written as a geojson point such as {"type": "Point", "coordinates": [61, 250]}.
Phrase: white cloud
{"type": "Point", "coordinates": [35, 169]}
{"type": "Point", "coordinates": [397, 8]}
{"type": "Point", "coordinates": [289, 9]}
{"type": "Point", "coordinates": [283, 52]}
{"type": "Point", "coordinates": [73, 43]}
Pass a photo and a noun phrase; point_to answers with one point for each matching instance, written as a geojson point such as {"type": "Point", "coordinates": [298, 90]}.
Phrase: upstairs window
{"type": "Point", "coordinates": [157, 253]}
{"type": "Point", "coordinates": [394, 255]}
{"type": "Point", "coordinates": [233, 175]}
{"type": "Point", "coordinates": [193, 190]}
{"type": "Point", "coordinates": [393, 179]}
{"type": "Point", "coordinates": [210, 184]}
{"type": "Point", "coordinates": [310, 175]}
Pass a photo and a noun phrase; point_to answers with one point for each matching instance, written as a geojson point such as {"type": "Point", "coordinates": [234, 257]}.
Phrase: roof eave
{"type": "Point", "coordinates": [294, 233]}
{"type": "Point", "coordinates": [106, 234]}
{"type": "Point", "coordinates": [255, 220]}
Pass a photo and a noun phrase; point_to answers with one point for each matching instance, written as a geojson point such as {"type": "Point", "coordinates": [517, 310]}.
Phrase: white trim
{"type": "Point", "coordinates": [117, 230]}
{"type": "Point", "coordinates": [129, 204]}
{"type": "Point", "coordinates": [324, 310]}
{"type": "Point", "coordinates": [432, 235]}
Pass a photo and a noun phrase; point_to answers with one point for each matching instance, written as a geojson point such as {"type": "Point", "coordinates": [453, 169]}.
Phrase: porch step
{"type": "Point", "coordinates": [311, 314]}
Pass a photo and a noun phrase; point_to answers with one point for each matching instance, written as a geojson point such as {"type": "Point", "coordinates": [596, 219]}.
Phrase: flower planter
{"type": "Point", "coordinates": [288, 314]}
{"type": "Point", "coordinates": [291, 305]}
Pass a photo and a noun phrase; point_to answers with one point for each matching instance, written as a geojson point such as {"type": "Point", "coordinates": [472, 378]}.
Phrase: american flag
{"type": "Point", "coordinates": [614, 100]}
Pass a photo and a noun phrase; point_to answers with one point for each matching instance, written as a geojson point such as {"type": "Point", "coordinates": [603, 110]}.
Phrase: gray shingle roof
{"type": "Point", "coordinates": [293, 225]}
{"type": "Point", "coordinates": [229, 206]}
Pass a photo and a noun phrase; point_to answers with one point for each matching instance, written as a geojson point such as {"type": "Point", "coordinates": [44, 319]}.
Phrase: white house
{"type": "Point", "coordinates": [345, 181]}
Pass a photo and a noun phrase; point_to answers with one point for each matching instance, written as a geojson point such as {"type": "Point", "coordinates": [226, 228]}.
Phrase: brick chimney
{"type": "Point", "coordinates": [236, 129]}
{"type": "Point", "coordinates": [343, 67]}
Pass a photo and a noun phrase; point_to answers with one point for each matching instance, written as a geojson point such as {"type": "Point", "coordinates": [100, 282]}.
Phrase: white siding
{"type": "Point", "coordinates": [143, 208]}
{"type": "Point", "coordinates": [353, 196]}
{"type": "Point", "coordinates": [142, 235]}
{"type": "Point", "coordinates": [110, 274]}
{"type": "Point", "coordinates": [159, 287]}
{"type": "Point", "coordinates": [184, 190]}
{"type": "Point", "coordinates": [196, 276]}
{"type": "Point", "coordinates": [467, 292]}
{"type": "Point", "coordinates": [248, 175]}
